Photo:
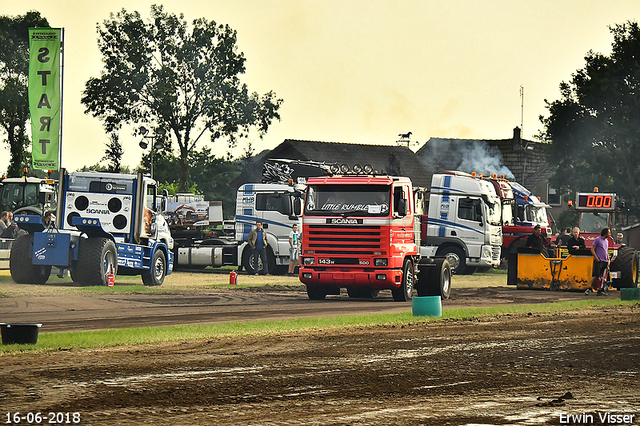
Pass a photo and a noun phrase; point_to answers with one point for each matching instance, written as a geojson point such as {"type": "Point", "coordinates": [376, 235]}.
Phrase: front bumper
{"type": "Point", "coordinates": [376, 278]}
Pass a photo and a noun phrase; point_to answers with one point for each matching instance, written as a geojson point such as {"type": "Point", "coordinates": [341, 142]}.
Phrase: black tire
{"type": "Point", "coordinates": [249, 262]}
{"type": "Point", "coordinates": [158, 270]}
{"type": "Point", "coordinates": [440, 279]}
{"type": "Point", "coordinates": [316, 292]}
{"type": "Point", "coordinates": [362, 292]}
{"type": "Point", "coordinates": [97, 257]}
{"type": "Point", "coordinates": [627, 263]}
{"type": "Point", "coordinates": [405, 292]}
{"type": "Point", "coordinates": [456, 258]}
{"type": "Point", "coordinates": [23, 271]}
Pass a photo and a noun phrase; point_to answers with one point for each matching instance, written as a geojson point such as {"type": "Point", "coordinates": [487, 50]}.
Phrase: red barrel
{"type": "Point", "coordinates": [233, 278]}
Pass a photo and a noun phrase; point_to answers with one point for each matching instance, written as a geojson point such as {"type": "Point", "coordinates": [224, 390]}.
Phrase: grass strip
{"type": "Point", "coordinates": [147, 335]}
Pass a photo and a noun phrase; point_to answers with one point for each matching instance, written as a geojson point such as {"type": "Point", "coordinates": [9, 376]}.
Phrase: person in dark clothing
{"type": "Point", "coordinates": [576, 242]}
{"type": "Point", "coordinates": [564, 237]}
{"type": "Point", "coordinates": [538, 242]}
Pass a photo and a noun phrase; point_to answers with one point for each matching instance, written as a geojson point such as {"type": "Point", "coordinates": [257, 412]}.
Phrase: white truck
{"type": "Point", "coordinates": [278, 206]}
{"type": "Point", "coordinates": [106, 224]}
{"type": "Point", "coordinates": [464, 222]}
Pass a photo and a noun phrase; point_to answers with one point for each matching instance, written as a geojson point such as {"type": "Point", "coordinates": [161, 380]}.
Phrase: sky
{"type": "Point", "coordinates": [362, 71]}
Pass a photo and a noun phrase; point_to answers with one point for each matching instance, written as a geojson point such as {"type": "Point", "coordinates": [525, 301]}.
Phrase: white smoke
{"type": "Point", "coordinates": [466, 155]}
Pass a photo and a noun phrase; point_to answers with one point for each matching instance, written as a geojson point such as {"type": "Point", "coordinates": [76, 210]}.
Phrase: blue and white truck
{"type": "Point", "coordinates": [106, 224]}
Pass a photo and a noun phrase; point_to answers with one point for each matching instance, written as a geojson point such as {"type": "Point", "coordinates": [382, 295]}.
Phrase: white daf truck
{"type": "Point", "coordinates": [463, 222]}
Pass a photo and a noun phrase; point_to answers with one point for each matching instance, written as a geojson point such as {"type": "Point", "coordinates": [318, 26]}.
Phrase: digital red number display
{"type": "Point", "coordinates": [595, 201]}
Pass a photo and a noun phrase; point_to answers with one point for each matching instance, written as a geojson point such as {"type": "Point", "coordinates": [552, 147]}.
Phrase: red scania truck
{"type": "Point", "coordinates": [363, 232]}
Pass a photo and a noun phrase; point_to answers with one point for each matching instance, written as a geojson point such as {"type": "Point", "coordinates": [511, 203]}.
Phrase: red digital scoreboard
{"type": "Point", "coordinates": [595, 201]}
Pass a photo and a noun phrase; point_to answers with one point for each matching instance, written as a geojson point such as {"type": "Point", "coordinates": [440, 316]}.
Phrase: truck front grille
{"type": "Point", "coordinates": [340, 239]}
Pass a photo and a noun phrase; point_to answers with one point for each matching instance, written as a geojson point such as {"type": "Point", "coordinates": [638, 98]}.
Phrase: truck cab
{"type": "Point", "coordinates": [27, 195]}
{"type": "Point", "coordinates": [464, 222]}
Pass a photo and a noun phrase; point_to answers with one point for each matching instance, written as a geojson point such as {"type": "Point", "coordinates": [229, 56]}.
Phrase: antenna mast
{"type": "Point", "coordinates": [522, 110]}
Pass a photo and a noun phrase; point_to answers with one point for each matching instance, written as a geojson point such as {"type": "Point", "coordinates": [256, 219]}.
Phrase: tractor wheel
{"type": "Point", "coordinates": [435, 280]}
{"type": "Point", "coordinates": [627, 263]}
{"type": "Point", "coordinates": [158, 270]}
{"type": "Point", "coordinates": [20, 263]}
{"type": "Point", "coordinates": [97, 257]}
{"type": "Point", "coordinates": [405, 292]}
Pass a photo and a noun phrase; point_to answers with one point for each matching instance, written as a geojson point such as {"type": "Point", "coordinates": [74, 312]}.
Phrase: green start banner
{"type": "Point", "coordinates": [44, 96]}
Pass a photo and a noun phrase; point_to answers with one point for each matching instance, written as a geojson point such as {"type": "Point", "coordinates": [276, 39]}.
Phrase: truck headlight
{"type": "Point", "coordinates": [308, 260]}
{"type": "Point", "coordinates": [381, 262]}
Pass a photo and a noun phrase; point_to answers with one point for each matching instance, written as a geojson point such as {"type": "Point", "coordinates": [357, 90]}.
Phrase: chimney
{"type": "Point", "coordinates": [516, 145]}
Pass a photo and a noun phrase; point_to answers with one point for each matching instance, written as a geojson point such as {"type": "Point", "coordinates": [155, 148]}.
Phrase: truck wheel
{"type": "Point", "coordinates": [97, 257]}
{"type": "Point", "coordinates": [456, 258]}
{"type": "Point", "coordinates": [252, 267]}
{"type": "Point", "coordinates": [405, 291]}
{"type": "Point", "coordinates": [316, 292]}
{"type": "Point", "coordinates": [158, 269]}
{"type": "Point", "coordinates": [627, 263]}
{"type": "Point", "coordinates": [439, 279]}
{"type": "Point", "coordinates": [22, 269]}
{"type": "Point", "coordinates": [362, 292]}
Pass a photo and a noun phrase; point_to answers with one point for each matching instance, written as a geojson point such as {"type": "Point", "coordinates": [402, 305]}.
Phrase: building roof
{"type": "Point", "coordinates": [389, 159]}
{"type": "Point", "coordinates": [517, 159]}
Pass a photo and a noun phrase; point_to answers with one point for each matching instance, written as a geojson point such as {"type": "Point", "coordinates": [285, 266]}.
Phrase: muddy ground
{"type": "Point", "coordinates": [508, 370]}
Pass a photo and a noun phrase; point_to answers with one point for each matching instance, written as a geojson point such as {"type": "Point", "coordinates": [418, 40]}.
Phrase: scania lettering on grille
{"type": "Point", "coordinates": [343, 221]}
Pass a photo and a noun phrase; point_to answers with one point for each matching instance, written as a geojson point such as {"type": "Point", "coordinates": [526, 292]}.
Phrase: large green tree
{"type": "Point", "coordinates": [14, 75]}
{"type": "Point", "coordinates": [162, 75]}
{"type": "Point", "coordinates": [594, 129]}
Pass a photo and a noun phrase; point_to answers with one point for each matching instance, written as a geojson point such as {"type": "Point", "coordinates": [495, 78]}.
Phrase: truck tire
{"type": "Point", "coordinates": [249, 262]}
{"type": "Point", "coordinates": [97, 257]}
{"type": "Point", "coordinates": [438, 279]}
{"type": "Point", "coordinates": [627, 263]}
{"type": "Point", "coordinates": [456, 258]}
{"type": "Point", "coordinates": [23, 271]}
{"type": "Point", "coordinates": [316, 292]}
{"type": "Point", "coordinates": [405, 292]}
{"type": "Point", "coordinates": [362, 292]}
{"type": "Point", "coordinates": [158, 270]}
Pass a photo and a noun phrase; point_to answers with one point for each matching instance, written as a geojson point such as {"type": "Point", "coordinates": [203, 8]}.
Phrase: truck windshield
{"type": "Point", "coordinates": [360, 200]}
{"type": "Point", "coordinates": [593, 222]}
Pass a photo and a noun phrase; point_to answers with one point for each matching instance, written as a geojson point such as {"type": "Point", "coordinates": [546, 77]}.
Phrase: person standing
{"type": "Point", "coordinates": [576, 242]}
{"type": "Point", "coordinates": [540, 243]}
{"type": "Point", "coordinates": [258, 242]}
{"type": "Point", "coordinates": [4, 222]}
{"type": "Point", "coordinates": [294, 248]}
{"type": "Point", "coordinates": [563, 238]}
{"type": "Point", "coordinates": [599, 250]}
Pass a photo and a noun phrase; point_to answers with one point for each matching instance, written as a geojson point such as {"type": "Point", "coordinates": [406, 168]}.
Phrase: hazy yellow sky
{"type": "Point", "coordinates": [363, 71]}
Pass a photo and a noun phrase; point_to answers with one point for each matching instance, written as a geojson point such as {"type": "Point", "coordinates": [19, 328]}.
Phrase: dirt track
{"type": "Point", "coordinates": [507, 370]}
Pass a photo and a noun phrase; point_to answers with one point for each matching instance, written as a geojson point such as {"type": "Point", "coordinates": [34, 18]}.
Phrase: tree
{"type": "Point", "coordinates": [593, 131]}
{"type": "Point", "coordinates": [187, 83]}
{"type": "Point", "coordinates": [113, 153]}
{"type": "Point", "coordinates": [14, 76]}
{"type": "Point", "coordinates": [210, 176]}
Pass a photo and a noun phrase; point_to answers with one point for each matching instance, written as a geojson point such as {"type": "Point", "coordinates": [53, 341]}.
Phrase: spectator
{"type": "Point", "coordinates": [537, 241]}
{"type": "Point", "coordinates": [564, 237]}
{"type": "Point", "coordinates": [258, 241]}
{"type": "Point", "coordinates": [4, 221]}
{"type": "Point", "coordinates": [11, 228]}
{"type": "Point", "coordinates": [619, 238]}
{"type": "Point", "coordinates": [576, 242]}
{"type": "Point", "coordinates": [294, 246]}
